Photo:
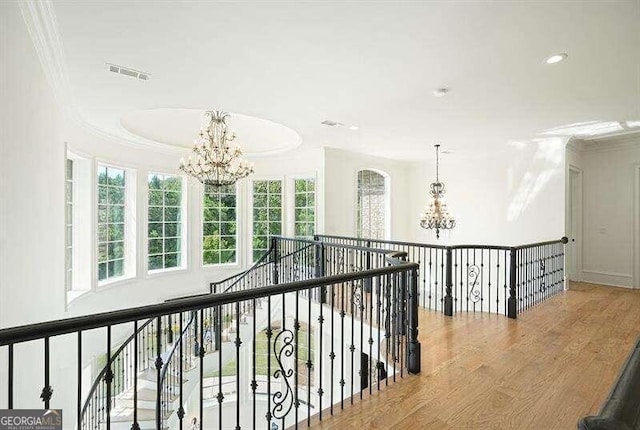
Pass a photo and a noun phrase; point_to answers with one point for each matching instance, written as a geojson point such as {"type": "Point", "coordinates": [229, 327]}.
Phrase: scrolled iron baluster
{"type": "Point", "coordinates": [543, 286]}
{"type": "Point", "coordinates": [475, 292]}
{"type": "Point", "coordinates": [283, 401]}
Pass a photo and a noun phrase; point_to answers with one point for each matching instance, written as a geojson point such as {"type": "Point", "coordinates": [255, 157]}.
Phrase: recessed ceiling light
{"type": "Point", "coordinates": [556, 58]}
{"type": "Point", "coordinates": [354, 127]}
{"type": "Point", "coordinates": [440, 92]}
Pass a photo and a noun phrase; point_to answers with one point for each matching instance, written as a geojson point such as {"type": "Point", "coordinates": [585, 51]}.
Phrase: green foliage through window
{"type": "Point", "coordinates": [267, 214]}
{"type": "Point", "coordinates": [164, 222]}
{"type": "Point", "coordinates": [219, 226]}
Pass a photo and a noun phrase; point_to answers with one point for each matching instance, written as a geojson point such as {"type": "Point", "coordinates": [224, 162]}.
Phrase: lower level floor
{"type": "Point", "coordinates": [545, 370]}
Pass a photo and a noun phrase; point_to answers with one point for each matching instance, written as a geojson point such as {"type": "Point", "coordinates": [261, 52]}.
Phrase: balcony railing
{"type": "Point", "coordinates": [301, 333]}
{"type": "Point", "coordinates": [309, 327]}
{"type": "Point", "coordinates": [478, 278]}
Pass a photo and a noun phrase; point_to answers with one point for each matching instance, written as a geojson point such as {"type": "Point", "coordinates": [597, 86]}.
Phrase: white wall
{"type": "Point", "coordinates": [32, 169]}
{"type": "Point", "coordinates": [31, 216]}
{"type": "Point", "coordinates": [609, 169]}
{"type": "Point", "coordinates": [341, 169]}
{"type": "Point", "coordinates": [509, 197]}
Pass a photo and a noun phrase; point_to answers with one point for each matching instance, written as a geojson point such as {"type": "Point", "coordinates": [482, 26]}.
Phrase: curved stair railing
{"type": "Point", "coordinates": [178, 360]}
{"type": "Point", "coordinates": [118, 375]}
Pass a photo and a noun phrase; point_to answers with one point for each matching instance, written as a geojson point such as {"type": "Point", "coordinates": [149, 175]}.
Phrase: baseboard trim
{"type": "Point", "coordinates": [623, 280]}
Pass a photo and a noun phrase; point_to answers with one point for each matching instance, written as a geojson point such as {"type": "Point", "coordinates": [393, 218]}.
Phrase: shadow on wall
{"type": "Point", "coordinates": [546, 162]}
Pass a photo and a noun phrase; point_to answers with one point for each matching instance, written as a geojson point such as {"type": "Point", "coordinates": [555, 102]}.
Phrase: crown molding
{"type": "Point", "coordinates": [614, 143]}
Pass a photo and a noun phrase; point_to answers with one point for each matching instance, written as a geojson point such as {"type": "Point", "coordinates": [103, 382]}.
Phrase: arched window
{"type": "Point", "coordinates": [372, 205]}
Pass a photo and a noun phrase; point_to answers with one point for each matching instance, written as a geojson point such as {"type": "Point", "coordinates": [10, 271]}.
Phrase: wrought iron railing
{"type": "Point", "coordinates": [478, 278]}
{"type": "Point", "coordinates": [337, 322]}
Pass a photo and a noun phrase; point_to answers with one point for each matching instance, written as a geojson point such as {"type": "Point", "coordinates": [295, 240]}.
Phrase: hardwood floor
{"type": "Point", "coordinates": [545, 370]}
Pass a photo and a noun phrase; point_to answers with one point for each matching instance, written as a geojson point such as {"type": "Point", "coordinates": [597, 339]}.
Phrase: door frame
{"type": "Point", "coordinates": [575, 194]}
{"type": "Point", "coordinates": [636, 227]}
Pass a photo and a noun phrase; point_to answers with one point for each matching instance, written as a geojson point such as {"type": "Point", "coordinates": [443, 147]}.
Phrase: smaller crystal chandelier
{"type": "Point", "coordinates": [435, 215]}
{"type": "Point", "coordinates": [215, 160]}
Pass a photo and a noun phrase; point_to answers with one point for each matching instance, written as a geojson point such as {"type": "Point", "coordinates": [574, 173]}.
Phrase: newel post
{"type": "Point", "coordinates": [413, 346]}
{"type": "Point", "coordinates": [512, 302]}
{"type": "Point", "coordinates": [321, 270]}
{"type": "Point", "coordinates": [448, 298]}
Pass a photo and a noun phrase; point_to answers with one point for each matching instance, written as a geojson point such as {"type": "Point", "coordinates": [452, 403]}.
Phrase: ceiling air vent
{"type": "Point", "coordinates": [331, 123]}
{"type": "Point", "coordinates": [114, 68]}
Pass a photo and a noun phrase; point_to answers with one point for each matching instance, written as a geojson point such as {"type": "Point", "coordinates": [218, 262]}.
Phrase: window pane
{"type": "Point", "coordinates": [116, 214]}
{"type": "Point", "coordinates": [155, 182]}
{"type": "Point", "coordinates": [115, 196]}
{"type": "Point", "coordinates": [115, 177]}
{"type": "Point", "coordinates": [171, 260]}
{"type": "Point", "coordinates": [155, 246]}
{"type": "Point", "coordinates": [172, 198]}
{"type": "Point", "coordinates": [155, 262]}
{"type": "Point", "coordinates": [155, 230]}
{"type": "Point", "coordinates": [102, 271]}
{"type": "Point", "coordinates": [155, 214]}
{"type": "Point", "coordinates": [155, 198]}
{"type": "Point", "coordinates": [172, 229]}
{"type": "Point", "coordinates": [171, 245]}
{"type": "Point", "coordinates": [171, 214]}
{"type": "Point", "coordinates": [211, 228]}
{"type": "Point", "coordinates": [116, 232]}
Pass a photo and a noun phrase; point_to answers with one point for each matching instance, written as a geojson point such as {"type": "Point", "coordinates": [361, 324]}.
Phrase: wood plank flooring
{"type": "Point", "coordinates": [545, 370]}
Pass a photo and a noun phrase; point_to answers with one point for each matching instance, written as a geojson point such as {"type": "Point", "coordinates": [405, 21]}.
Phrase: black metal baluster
{"type": "Point", "coordinates": [432, 289]}
{"type": "Point", "coordinates": [489, 282]}
{"type": "Point", "coordinates": [352, 346]}
{"type": "Point", "coordinates": [10, 376]}
{"type": "Point", "coordinates": [342, 343]}
{"type": "Point", "coordinates": [378, 291]}
{"type": "Point", "coordinates": [159, 364]}
{"type": "Point", "coordinates": [79, 377]}
{"type": "Point", "coordinates": [254, 384]}
{"type": "Point", "coordinates": [269, 333]}
{"type": "Point", "coordinates": [108, 379]}
{"type": "Point", "coordinates": [220, 396]}
{"type": "Point", "coordinates": [309, 363]}
{"type": "Point", "coordinates": [332, 354]}
{"type": "Point", "coordinates": [238, 342]}
{"type": "Point", "coordinates": [482, 280]}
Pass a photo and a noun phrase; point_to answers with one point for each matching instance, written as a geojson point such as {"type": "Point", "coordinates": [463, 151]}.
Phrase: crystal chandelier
{"type": "Point", "coordinates": [215, 161]}
{"type": "Point", "coordinates": [435, 215]}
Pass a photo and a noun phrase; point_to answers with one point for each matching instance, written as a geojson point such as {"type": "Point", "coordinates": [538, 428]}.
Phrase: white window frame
{"type": "Point", "coordinates": [313, 176]}
{"type": "Point", "coordinates": [130, 223]}
{"type": "Point", "coordinates": [238, 248]}
{"type": "Point", "coordinates": [387, 201]}
{"type": "Point", "coordinates": [184, 251]}
{"type": "Point", "coordinates": [283, 194]}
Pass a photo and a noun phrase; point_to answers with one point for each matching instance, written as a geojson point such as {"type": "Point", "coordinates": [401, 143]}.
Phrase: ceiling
{"type": "Point", "coordinates": [364, 63]}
